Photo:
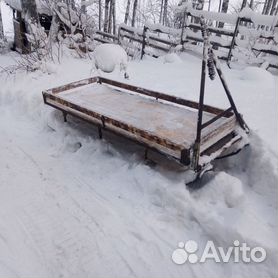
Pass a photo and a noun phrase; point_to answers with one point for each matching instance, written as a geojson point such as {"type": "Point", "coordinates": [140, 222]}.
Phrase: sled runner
{"type": "Point", "coordinates": [191, 132]}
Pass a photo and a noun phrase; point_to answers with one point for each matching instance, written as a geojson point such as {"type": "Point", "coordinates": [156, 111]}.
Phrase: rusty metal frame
{"type": "Point", "coordinates": [51, 97]}
{"type": "Point", "coordinates": [232, 109]}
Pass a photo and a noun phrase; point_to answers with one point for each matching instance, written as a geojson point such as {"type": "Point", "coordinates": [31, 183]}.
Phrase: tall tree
{"type": "Point", "coordinates": [83, 6]}
{"type": "Point", "coordinates": [110, 16]}
{"type": "Point", "coordinates": [127, 11]}
{"type": "Point", "coordinates": [106, 15]}
{"type": "Point", "coordinates": [99, 14]}
{"type": "Point", "coordinates": [224, 9]}
{"type": "Point", "coordinates": [1, 25]}
{"type": "Point", "coordinates": [114, 16]}
{"type": "Point", "coordinates": [274, 7]}
{"type": "Point", "coordinates": [72, 3]}
{"type": "Point", "coordinates": [165, 12]}
{"type": "Point", "coordinates": [161, 12]}
{"type": "Point", "coordinates": [134, 12]}
{"type": "Point", "coordinates": [219, 6]}
{"type": "Point", "coordinates": [267, 7]}
{"type": "Point", "coordinates": [209, 5]}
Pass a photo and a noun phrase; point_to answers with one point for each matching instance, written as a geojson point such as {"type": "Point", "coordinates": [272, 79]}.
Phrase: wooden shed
{"type": "Point", "coordinates": [39, 11]}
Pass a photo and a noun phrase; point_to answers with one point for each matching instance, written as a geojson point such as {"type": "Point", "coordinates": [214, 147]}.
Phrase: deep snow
{"type": "Point", "coordinates": [108, 56]}
{"type": "Point", "coordinates": [74, 206]}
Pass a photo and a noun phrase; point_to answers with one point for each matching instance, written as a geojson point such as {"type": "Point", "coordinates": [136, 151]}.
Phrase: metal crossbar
{"type": "Point", "coordinates": [214, 119]}
{"type": "Point", "coordinates": [206, 48]}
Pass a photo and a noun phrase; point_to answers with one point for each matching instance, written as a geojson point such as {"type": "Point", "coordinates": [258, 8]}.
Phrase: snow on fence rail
{"type": "Point", "coordinates": [246, 30]}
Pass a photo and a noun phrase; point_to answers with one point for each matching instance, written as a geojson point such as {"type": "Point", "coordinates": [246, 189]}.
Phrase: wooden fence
{"type": "Point", "coordinates": [246, 35]}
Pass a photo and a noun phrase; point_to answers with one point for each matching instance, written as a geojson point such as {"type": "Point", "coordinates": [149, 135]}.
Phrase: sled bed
{"type": "Point", "coordinates": [158, 121]}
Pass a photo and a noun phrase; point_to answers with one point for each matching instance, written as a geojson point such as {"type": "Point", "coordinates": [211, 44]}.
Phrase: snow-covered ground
{"type": "Point", "coordinates": [74, 206]}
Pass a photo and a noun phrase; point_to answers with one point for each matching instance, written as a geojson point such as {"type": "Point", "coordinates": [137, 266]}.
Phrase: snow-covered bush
{"type": "Point", "coordinates": [40, 49]}
{"type": "Point", "coordinates": [3, 46]}
{"type": "Point", "coordinates": [108, 56]}
{"type": "Point", "coordinates": [171, 58]}
{"type": "Point", "coordinates": [41, 52]}
{"type": "Point", "coordinates": [38, 40]}
{"type": "Point", "coordinates": [78, 27]}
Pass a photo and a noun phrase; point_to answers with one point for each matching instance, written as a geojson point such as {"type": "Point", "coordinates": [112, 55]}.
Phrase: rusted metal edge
{"type": "Point", "coordinates": [162, 96]}
{"type": "Point", "coordinates": [163, 142]}
{"type": "Point", "coordinates": [182, 156]}
{"type": "Point", "coordinates": [72, 85]}
{"type": "Point", "coordinates": [121, 125]}
{"type": "Point", "coordinates": [136, 89]}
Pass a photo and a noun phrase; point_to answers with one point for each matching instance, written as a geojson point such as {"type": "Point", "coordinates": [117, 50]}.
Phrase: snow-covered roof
{"type": "Point", "coordinates": [15, 4]}
{"type": "Point", "coordinates": [42, 7]}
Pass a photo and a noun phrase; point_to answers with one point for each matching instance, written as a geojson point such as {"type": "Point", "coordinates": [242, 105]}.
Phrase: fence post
{"type": "Point", "coordinates": [233, 41]}
{"type": "Point", "coordinates": [119, 35]}
{"type": "Point", "coordinates": [235, 34]}
{"type": "Point", "coordinates": [144, 42]}
{"type": "Point", "coordinates": [183, 26]}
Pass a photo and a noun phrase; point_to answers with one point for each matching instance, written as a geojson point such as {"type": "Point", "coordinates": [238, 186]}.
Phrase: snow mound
{"type": "Point", "coordinates": [108, 56]}
{"type": "Point", "coordinates": [232, 190]}
{"type": "Point", "coordinates": [223, 190]}
{"type": "Point", "coordinates": [172, 58]}
{"type": "Point", "coordinates": [255, 73]}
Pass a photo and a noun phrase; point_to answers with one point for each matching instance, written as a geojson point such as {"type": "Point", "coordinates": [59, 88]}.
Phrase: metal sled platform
{"type": "Point", "coordinates": [159, 121]}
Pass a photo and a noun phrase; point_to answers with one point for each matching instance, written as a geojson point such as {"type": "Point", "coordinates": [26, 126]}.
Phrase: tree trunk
{"type": "Point", "coordinates": [165, 10]}
{"type": "Point", "coordinates": [83, 6]}
{"type": "Point", "coordinates": [106, 15]}
{"type": "Point", "coordinates": [161, 12]}
{"type": "Point", "coordinates": [114, 16]}
{"type": "Point", "coordinates": [1, 25]}
{"type": "Point", "coordinates": [265, 3]}
{"type": "Point", "coordinates": [134, 13]}
{"type": "Point", "coordinates": [99, 14]}
{"type": "Point", "coordinates": [110, 17]}
{"type": "Point", "coordinates": [268, 7]}
{"type": "Point", "coordinates": [127, 11]}
{"type": "Point", "coordinates": [209, 5]}
{"type": "Point", "coordinates": [224, 9]}
{"type": "Point", "coordinates": [29, 10]}
{"type": "Point", "coordinates": [274, 7]}
{"type": "Point", "coordinates": [219, 6]}
{"type": "Point", "coordinates": [72, 4]}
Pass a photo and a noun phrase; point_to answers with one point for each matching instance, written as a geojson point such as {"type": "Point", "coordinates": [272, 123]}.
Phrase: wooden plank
{"type": "Point", "coordinates": [108, 35]}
